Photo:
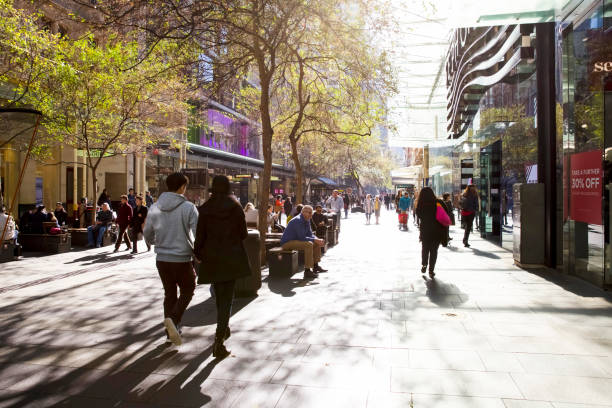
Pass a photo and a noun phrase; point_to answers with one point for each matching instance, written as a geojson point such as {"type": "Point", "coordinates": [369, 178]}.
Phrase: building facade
{"type": "Point", "coordinates": [527, 103]}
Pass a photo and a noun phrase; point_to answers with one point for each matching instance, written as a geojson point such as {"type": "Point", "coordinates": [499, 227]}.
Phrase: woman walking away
{"type": "Point", "coordinates": [469, 208]}
{"type": "Point", "coordinates": [223, 259]}
{"type": "Point", "coordinates": [432, 232]}
{"type": "Point", "coordinates": [377, 205]}
{"type": "Point", "coordinates": [368, 207]}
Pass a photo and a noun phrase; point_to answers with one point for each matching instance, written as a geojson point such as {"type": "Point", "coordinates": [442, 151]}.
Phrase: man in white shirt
{"type": "Point", "coordinates": [336, 204]}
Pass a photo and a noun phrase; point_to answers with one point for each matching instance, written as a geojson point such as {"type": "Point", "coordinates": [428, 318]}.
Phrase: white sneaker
{"type": "Point", "coordinates": [175, 336]}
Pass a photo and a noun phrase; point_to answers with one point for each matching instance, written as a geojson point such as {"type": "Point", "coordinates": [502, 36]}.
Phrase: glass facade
{"type": "Point", "coordinates": [499, 150]}
{"type": "Point", "coordinates": [224, 131]}
{"type": "Point", "coordinates": [586, 100]}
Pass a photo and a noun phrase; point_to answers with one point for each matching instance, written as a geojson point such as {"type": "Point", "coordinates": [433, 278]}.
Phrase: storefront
{"type": "Point", "coordinates": [202, 163]}
{"type": "Point", "coordinates": [584, 45]}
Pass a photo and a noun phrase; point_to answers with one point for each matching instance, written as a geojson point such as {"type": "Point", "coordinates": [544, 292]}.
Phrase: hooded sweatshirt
{"type": "Point", "coordinates": [171, 226]}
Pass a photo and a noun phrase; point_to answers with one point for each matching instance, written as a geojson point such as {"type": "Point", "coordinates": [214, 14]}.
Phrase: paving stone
{"type": "Point", "coordinates": [306, 397]}
{"type": "Point", "coordinates": [453, 382]}
{"type": "Point", "coordinates": [582, 390]}
{"type": "Point", "coordinates": [402, 400]}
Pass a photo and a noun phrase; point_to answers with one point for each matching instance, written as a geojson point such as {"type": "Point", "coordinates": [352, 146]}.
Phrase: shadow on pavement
{"type": "Point", "coordinates": [205, 313]}
{"type": "Point", "coordinates": [285, 287]}
{"type": "Point", "coordinates": [438, 292]}
{"type": "Point", "coordinates": [486, 254]}
{"type": "Point", "coordinates": [101, 258]}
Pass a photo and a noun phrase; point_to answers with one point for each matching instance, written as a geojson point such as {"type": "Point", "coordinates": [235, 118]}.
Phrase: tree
{"type": "Point", "coordinates": [97, 99]}
{"type": "Point", "coordinates": [26, 53]}
{"type": "Point", "coordinates": [331, 82]}
{"type": "Point", "coordinates": [239, 35]}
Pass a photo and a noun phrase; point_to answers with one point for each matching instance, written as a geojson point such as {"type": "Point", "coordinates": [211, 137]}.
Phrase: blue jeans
{"type": "Point", "coordinates": [98, 239]}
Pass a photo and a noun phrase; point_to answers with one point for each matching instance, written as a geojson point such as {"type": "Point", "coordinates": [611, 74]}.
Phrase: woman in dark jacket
{"type": "Point", "coordinates": [432, 232]}
{"type": "Point", "coordinates": [469, 209]}
{"type": "Point", "coordinates": [218, 246]}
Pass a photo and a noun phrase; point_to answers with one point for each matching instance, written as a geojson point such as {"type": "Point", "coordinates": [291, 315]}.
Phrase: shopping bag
{"type": "Point", "coordinates": [442, 216]}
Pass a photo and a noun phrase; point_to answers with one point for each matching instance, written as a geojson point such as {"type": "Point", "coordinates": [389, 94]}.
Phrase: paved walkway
{"type": "Point", "coordinates": [370, 333]}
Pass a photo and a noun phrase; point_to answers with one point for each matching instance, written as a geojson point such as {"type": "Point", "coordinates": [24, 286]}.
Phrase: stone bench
{"type": "Point", "coordinates": [248, 286]}
{"type": "Point", "coordinates": [51, 244]}
{"type": "Point", "coordinates": [8, 251]}
{"type": "Point", "coordinates": [79, 236]}
{"type": "Point", "coordinates": [282, 264]}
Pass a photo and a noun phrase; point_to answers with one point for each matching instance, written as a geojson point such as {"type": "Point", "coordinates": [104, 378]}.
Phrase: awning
{"type": "Point", "coordinates": [326, 181]}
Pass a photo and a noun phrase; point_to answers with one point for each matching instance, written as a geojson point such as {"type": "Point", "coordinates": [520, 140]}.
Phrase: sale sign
{"type": "Point", "coordinates": [586, 179]}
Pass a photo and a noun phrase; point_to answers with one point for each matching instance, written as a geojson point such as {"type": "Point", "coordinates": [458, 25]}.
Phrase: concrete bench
{"type": "Point", "coordinates": [248, 286]}
{"type": "Point", "coordinates": [51, 244]}
{"type": "Point", "coordinates": [79, 236]}
{"type": "Point", "coordinates": [8, 251]}
{"type": "Point", "coordinates": [282, 264]}
{"type": "Point", "coordinates": [331, 237]}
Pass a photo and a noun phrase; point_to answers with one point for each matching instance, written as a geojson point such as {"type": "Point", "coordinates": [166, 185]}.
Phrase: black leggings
{"type": "Point", "coordinates": [429, 252]}
{"type": "Point", "coordinates": [224, 296]}
{"type": "Point", "coordinates": [468, 220]}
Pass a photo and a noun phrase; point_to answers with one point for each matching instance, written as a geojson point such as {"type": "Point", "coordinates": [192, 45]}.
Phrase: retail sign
{"type": "Point", "coordinates": [586, 177]}
{"type": "Point", "coordinates": [602, 66]}
{"type": "Point", "coordinates": [242, 176]}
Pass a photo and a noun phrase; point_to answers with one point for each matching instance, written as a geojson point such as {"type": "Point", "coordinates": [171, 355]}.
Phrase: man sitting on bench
{"type": "Point", "coordinates": [298, 235]}
{"type": "Point", "coordinates": [95, 233]}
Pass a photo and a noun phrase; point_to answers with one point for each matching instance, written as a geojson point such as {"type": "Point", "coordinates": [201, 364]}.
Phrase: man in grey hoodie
{"type": "Point", "coordinates": [171, 227]}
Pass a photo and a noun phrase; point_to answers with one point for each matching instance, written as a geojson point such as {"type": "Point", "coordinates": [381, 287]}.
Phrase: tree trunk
{"type": "Point", "coordinates": [264, 179]}
{"type": "Point", "coordinates": [94, 180]}
{"type": "Point", "coordinates": [299, 173]}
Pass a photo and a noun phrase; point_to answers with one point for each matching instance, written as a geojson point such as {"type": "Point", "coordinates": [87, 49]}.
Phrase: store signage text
{"type": "Point", "coordinates": [586, 177]}
{"type": "Point", "coordinates": [601, 66]}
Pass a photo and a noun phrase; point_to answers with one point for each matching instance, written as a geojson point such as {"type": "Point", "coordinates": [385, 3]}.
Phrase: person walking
{"type": "Point", "coordinates": [220, 251]}
{"type": "Point", "coordinates": [368, 208]}
{"type": "Point", "coordinates": [347, 204]}
{"type": "Point", "coordinates": [287, 206]}
{"type": "Point", "coordinates": [171, 226]}
{"type": "Point", "coordinates": [131, 198]}
{"type": "Point", "coordinates": [148, 199]}
{"type": "Point", "coordinates": [336, 204]}
{"type": "Point", "coordinates": [431, 231]}
{"type": "Point", "coordinates": [387, 201]}
{"type": "Point", "coordinates": [448, 206]}
{"type": "Point", "coordinates": [138, 221]}
{"type": "Point", "coordinates": [124, 219]}
{"type": "Point", "coordinates": [377, 206]}
{"type": "Point", "coordinates": [404, 206]}
{"type": "Point", "coordinates": [469, 208]}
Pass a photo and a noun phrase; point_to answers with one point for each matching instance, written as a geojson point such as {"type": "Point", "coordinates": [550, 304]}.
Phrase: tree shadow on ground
{"type": "Point", "coordinates": [205, 313]}
{"type": "Point", "coordinates": [75, 365]}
